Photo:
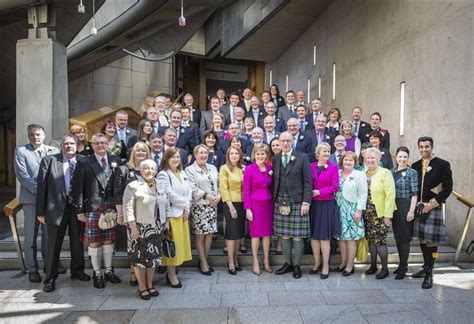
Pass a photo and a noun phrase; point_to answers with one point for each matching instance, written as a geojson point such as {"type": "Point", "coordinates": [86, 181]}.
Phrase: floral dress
{"type": "Point", "coordinates": [350, 230]}
{"type": "Point", "coordinates": [375, 229]}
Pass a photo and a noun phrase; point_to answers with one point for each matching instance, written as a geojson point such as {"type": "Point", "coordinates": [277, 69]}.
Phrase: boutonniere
{"type": "Point", "coordinates": [270, 172]}
{"type": "Point", "coordinates": [428, 169]}
{"type": "Point", "coordinates": [327, 137]}
{"type": "Point", "coordinates": [87, 148]}
{"type": "Point", "coordinates": [246, 158]}
{"type": "Point", "coordinates": [132, 174]}
{"type": "Point", "coordinates": [193, 110]}
{"type": "Point", "coordinates": [382, 153]}
{"type": "Point", "coordinates": [261, 113]}
{"type": "Point", "coordinates": [182, 130]}
{"type": "Point", "coordinates": [326, 166]}
{"type": "Point", "coordinates": [243, 168]}
{"type": "Point", "coordinates": [113, 165]}
{"type": "Point", "coordinates": [306, 123]}
{"type": "Point", "coordinates": [362, 125]}
{"type": "Point", "coordinates": [127, 131]}
{"type": "Point", "coordinates": [278, 119]}
{"type": "Point", "coordinates": [214, 157]}
{"type": "Point", "coordinates": [292, 158]}
{"type": "Point", "coordinates": [301, 137]}
{"type": "Point", "coordinates": [382, 133]}
{"type": "Point", "coordinates": [367, 135]}
{"type": "Point", "coordinates": [351, 178]}
{"type": "Point", "coordinates": [404, 174]}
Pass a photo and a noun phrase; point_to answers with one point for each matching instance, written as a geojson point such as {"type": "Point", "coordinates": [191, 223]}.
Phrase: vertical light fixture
{"type": "Point", "coordinates": [287, 82]}
{"type": "Point", "coordinates": [319, 87]}
{"type": "Point", "coordinates": [402, 108]}
{"type": "Point", "coordinates": [181, 19]}
{"type": "Point", "coordinates": [309, 90]}
{"type": "Point", "coordinates": [314, 55]}
{"type": "Point", "coordinates": [270, 78]}
{"type": "Point", "coordinates": [93, 29]}
{"type": "Point", "coordinates": [334, 81]}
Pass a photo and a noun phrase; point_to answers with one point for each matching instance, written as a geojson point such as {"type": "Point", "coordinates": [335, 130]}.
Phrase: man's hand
{"type": "Point", "coordinates": [81, 217]}
{"type": "Point", "coordinates": [304, 209]}
{"type": "Point", "coordinates": [41, 219]}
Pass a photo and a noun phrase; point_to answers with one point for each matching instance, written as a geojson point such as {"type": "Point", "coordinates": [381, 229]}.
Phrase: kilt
{"type": "Point", "coordinates": [91, 232]}
{"type": "Point", "coordinates": [293, 225]}
{"type": "Point", "coordinates": [432, 229]}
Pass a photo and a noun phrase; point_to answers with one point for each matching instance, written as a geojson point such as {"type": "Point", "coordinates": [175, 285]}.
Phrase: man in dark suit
{"type": "Point", "coordinates": [292, 194]}
{"type": "Point", "coordinates": [301, 116]}
{"type": "Point", "coordinates": [315, 111]}
{"type": "Point", "coordinates": [245, 101]}
{"type": "Point", "coordinates": [358, 124]}
{"type": "Point", "coordinates": [375, 120]}
{"type": "Point", "coordinates": [155, 142]}
{"type": "Point", "coordinates": [54, 209]}
{"type": "Point", "coordinates": [257, 138]}
{"type": "Point", "coordinates": [229, 110]}
{"type": "Point", "coordinates": [270, 110]}
{"type": "Point", "coordinates": [269, 129]}
{"type": "Point", "coordinates": [289, 110]}
{"type": "Point", "coordinates": [26, 165]}
{"type": "Point", "coordinates": [170, 140]}
{"type": "Point", "coordinates": [301, 141]}
{"type": "Point", "coordinates": [189, 125]}
{"type": "Point", "coordinates": [195, 111]}
{"type": "Point", "coordinates": [255, 111]}
{"type": "Point", "coordinates": [220, 93]}
{"type": "Point", "coordinates": [124, 133]}
{"type": "Point", "coordinates": [320, 133]}
{"type": "Point", "coordinates": [206, 119]}
{"type": "Point", "coordinates": [92, 191]}
{"type": "Point", "coordinates": [184, 137]}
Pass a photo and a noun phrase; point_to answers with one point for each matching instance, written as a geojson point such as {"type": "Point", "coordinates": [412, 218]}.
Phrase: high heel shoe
{"type": "Point", "coordinates": [382, 274]}
{"type": "Point", "coordinates": [206, 273]}
{"type": "Point", "coordinates": [324, 275]}
{"type": "Point", "coordinates": [168, 283]}
{"type": "Point", "coordinates": [313, 272]}
{"type": "Point", "coordinates": [346, 273]}
{"type": "Point", "coordinates": [371, 270]}
{"type": "Point", "coordinates": [231, 271]}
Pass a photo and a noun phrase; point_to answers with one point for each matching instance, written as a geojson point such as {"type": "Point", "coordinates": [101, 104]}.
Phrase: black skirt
{"type": "Point", "coordinates": [402, 230]}
{"type": "Point", "coordinates": [235, 228]}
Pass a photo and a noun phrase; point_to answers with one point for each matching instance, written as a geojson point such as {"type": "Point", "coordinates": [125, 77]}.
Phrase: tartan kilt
{"type": "Point", "coordinates": [293, 225]}
{"type": "Point", "coordinates": [432, 229]}
{"type": "Point", "coordinates": [91, 232]}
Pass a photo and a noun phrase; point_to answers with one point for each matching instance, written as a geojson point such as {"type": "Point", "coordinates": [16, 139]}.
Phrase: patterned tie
{"type": "Point", "coordinates": [104, 163]}
{"type": "Point", "coordinates": [302, 125]}
{"type": "Point", "coordinates": [285, 160]}
{"type": "Point", "coordinates": [72, 167]}
{"type": "Point", "coordinates": [157, 160]}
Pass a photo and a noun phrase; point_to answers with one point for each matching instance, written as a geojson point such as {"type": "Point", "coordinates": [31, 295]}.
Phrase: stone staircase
{"type": "Point", "coordinates": [9, 260]}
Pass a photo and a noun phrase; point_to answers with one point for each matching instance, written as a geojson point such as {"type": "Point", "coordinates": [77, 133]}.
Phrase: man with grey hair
{"type": "Point", "coordinates": [257, 138]}
{"type": "Point", "coordinates": [195, 111]}
{"type": "Point", "coordinates": [320, 133]}
{"type": "Point", "coordinates": [170, 139]}
{"type": "Point", "coordinates": [160, 105]}
{"type": "Point", "coordinates": [54, 208]}
{"type": "Point", "coordinates": [301, 141]}
{"type": "Point", "coordinates": [269, 129]}
{"type": "Point", "coordinates": [26, 165]}
{"type": "Point", "coordinates": [340, 144]}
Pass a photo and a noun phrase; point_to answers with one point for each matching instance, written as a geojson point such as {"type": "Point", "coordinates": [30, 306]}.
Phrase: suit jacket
{"type": "Point", "coordinates": [51, 199]}
{"type": "Point", "coordinates": [26, 166]}
{"type": "Point", "coordinates": [327, 181]}
{"type": "Point", "coordinates": [206, 120]}
{"type": "Point", "coordinates": [296, 177]}
{"type": "Point", "coordinates": [194, 129]}
{"type": "Point", "coordinates": [185, 140]}
{"type": "Point", "coordinates": [315, 141]}
{"type": "Point", "coordinates": [243, 105]}
{"type": "Point", "coordinates": [129, 133]}
{"type": "Point", "coordinates": [265, 134]}
{"type": "Point", "coordinates": [179, 191]}
{"type": "Point", "coordinates": [285, 113]}
{"type": "Point", "coordinates": [304, 144]}
{"type": "Point", "coordinates": [91, 185]}
{"type": "Point", "coordinates": [196, 115]}
{"type": "Point", "coordinates": [386, 159]}
{"type": "Point", "coordinates": [364, 136]}
{"type": "Point", "coordinates": [225, 110]}
{"type": "Point", "coordinates": [437, 182]}
{"type": "Point", "coordinates": [280, 125]}
{"type": "Point", "coordinates": [260, 117]}
{"type": "Point", "coordinates": [140, 203]}
{"type": "Point", "coordinates": [333, 158]}
{"type": "Point", "coordinates": [310, 119]}
{"type": "Point", "coordinates": [257, 185]}
{"type": "Point", "coordinates": [362, 127]}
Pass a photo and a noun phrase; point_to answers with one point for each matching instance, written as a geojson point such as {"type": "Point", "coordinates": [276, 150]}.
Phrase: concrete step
{"type": "Point", "coordinates": [9, 261]}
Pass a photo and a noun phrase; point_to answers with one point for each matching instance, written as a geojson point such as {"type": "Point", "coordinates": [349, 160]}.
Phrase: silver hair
{"type": "Point", "coordinates": [148, 163]}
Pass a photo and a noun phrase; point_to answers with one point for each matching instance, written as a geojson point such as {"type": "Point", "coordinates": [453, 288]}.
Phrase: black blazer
{"type": "Point", "coordinates": [297, 177]}
{"type": "Point", "coordinates": [304, 145]}
{"type": "Point", "coordinates": [314, 138]}
{"type": "Point", "coordinates": [261, 115]}
{"type": "Point", "coordinates": [386, 159]}
{"type": "Point", "coordinates": [439, 174]}
{"type": "Point", "coordinates": [185, 140]}
{"type": "Point", "coordinates": [51, 196]}
{"type": "Point", "coordinates": [280, 125]}
{"type": "Point", "coordinates": [196, 115]}
{"type": "Point", "coordinates": [91, 185]}
{"type": "Point", "coordinates": [194, 129]}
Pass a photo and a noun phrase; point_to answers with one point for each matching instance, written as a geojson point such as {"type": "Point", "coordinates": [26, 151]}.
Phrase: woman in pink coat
{"type": "Point", "coordinates": [259, 205]}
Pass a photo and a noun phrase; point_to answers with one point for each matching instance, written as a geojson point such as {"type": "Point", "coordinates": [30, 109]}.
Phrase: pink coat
{"type": "Point", "coordinates": [257, 185]}
{"type": "Point", "coordinates": [327, 182]}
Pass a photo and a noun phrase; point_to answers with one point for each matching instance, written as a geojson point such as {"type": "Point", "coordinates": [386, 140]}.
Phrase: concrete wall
{"type": "Point", "coordinates": [123, 82]}
{"type": "Point", "coordinates": [379, 44]}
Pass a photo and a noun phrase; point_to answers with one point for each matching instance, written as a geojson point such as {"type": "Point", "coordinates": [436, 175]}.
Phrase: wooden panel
{"type": "Point", "coordinates": [260, 78]}
{"type": "Point", "coordinates": [202, 85]}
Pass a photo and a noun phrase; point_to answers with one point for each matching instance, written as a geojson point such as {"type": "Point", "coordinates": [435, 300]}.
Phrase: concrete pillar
{"type": "Point", "coordinates": [41, 88]}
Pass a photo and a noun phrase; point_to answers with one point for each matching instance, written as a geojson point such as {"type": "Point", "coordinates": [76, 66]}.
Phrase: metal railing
{"type": "Point", "coordinates": [467, 222]}
{"type": "Point", "coordinates": [11, 209]}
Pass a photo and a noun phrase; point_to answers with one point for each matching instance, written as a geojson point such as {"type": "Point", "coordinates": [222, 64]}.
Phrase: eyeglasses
{"type": "Point", "coordinates": [100, 143]}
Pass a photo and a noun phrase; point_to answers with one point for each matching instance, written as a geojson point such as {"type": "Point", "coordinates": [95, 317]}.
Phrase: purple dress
{"type": "Point", "coordinates": [350, 144]}
{"type": "Point", "coordinates": [258, 198]}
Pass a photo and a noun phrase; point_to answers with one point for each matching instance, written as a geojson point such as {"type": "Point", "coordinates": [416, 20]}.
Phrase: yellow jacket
{"type": "Point", "coordinates": [230, 184]}
{"type": "Point", "coordinates": [382, 187]}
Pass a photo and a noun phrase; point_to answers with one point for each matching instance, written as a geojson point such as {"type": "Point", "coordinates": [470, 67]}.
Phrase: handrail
{"type": "Point", "coordinates": [467, 222]}
{"type": "Point", "coordinates": [11, 209]}
{"type": "Point", "coordinates": [463, 199]}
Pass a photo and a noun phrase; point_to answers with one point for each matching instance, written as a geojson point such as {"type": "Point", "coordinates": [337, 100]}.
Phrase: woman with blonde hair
{"type": "Point", "coordinates": [352, 142]}
{"type": "Point", "coordinates": [175, 183]}
{"type": "Point", "coordinates": [83, 146]}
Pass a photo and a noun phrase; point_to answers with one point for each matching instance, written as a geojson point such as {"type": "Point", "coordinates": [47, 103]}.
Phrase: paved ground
{"type": "Point", "coordinates": [246, 298]}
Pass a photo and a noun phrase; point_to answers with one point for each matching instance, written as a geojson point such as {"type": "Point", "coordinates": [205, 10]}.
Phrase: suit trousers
{"type": "Point", "coordinates": [32, 226]}
{"type": "Point", "coordinates": [55, 241]}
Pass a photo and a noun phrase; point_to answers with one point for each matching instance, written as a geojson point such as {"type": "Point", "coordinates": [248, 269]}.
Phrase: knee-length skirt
{"type": "Point", "coordinates": [234, 228]}
{"type": "Point", "coordinates": [203, 219]}
{"type": "Point", "coordinates": [293, 225]}
{"type": "Point", "coordinates": [145, 252]}
{"type": "Point", "coordinates": [432, 229]}
{"type": "Point", "coordinates": [261, 225]}
{"type": "Point", "coordinates": [179, 228]}
{"type": "Point", "coordinates": [402, 229]}
{"type": "Point", "coordinates": [324, 220]}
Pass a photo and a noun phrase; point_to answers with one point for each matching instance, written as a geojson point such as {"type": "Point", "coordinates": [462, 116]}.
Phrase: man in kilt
{"type": "Point", "coordinates": [435, 185]}
{"type": "Point", "coordinates": [292, 187]}
{"type": "Point", "coordinates": [92, 190]}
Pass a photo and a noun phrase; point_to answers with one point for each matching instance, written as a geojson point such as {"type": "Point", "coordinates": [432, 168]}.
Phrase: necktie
{"type": "Point", "coordinates": [157, 159]}
{"type": "Point", "coordinates": [240, 125]}
{"type": "Point", "coordinates": [320, 137]}
{"type": "Point", "coordinates": [292, 111]}
{"type": "Point", "coordinates": [72, 167]}
{"type": "Point", "coordinates": [285, 160]}
{"type": "Point", "coordinates": [231, 114]}
{"type": "Point", "coordinates": [302, 125]}
{"type": "Point", "coordinates": [356, 128]}
{"type": "Point", "coordinates": [191, 113]}
{"type": "Point", "coordinates": [40, 153]}
{"type": "Point", "coordinates": [104, 163]}
{"type": "Point", "coordinates": [177, 132]}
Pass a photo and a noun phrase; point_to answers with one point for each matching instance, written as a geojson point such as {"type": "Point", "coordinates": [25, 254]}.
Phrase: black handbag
{"type": "Point", "coordinates": [168, 245]}
{"type": "Point", "coordinates": [419, 215]}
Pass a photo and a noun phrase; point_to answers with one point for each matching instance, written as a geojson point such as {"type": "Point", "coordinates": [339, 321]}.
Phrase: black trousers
{"type": "Point", "coordinates": [55, 242]}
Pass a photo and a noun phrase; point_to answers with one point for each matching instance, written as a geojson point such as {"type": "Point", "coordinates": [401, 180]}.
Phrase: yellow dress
{"type": "Point", "coordinates": [179, 228]}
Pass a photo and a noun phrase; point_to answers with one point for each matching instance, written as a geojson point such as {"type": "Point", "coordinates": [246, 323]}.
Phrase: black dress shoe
{"type": "Point", "coordinates": [112, 278]}
{"type": "Point", "coordinates": [238, 268]}
{"type": "Point", "coordinates": [34, 276]}
{"type": "Point", "coordinates": [346, 273]}
{"type": "Point", "coordinates": [396, 270]}
{"type": "Point", "coordinates": [401, 274]}
{"type": "Point", "coordinates": [168, 282]}
{"type": "Point", "coordinates": [62, 270]}
{"type": "Point", "coordinates": [338, 269]}
{"type": "Point", "coordinates": [297, 272]}
{"type": "Point", "coordinates": [49, 285]}
{"type": "Point", "coordinates": [211, 269]}
{"type": "Point", "coordinates": [153, 292]}
{"type": "Point", "coordinates": [206, 273]}
{"type": "Point", "coordinates": [81, 276]}
{"type": "Point", "coordinates": [324, 275]}
{"type": "Point", "coordinates": [419, 274]}
{"type": "Point", "coordinates": [382, 274]}
{"type": "Point", "coordinates": [284, 269]}
{"type": "Point", "coordinates": [428, 282]}
{"type": "Point", "coordinates": [99, 282]}
{"type": "Point", "coordinates": [371, 270]}
{"type": "Point", "coordinates": [161, 269]}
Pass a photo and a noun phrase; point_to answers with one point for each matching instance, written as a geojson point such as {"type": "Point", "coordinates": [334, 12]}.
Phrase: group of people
{"type": "Point", "coordinates": [272, 167]}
